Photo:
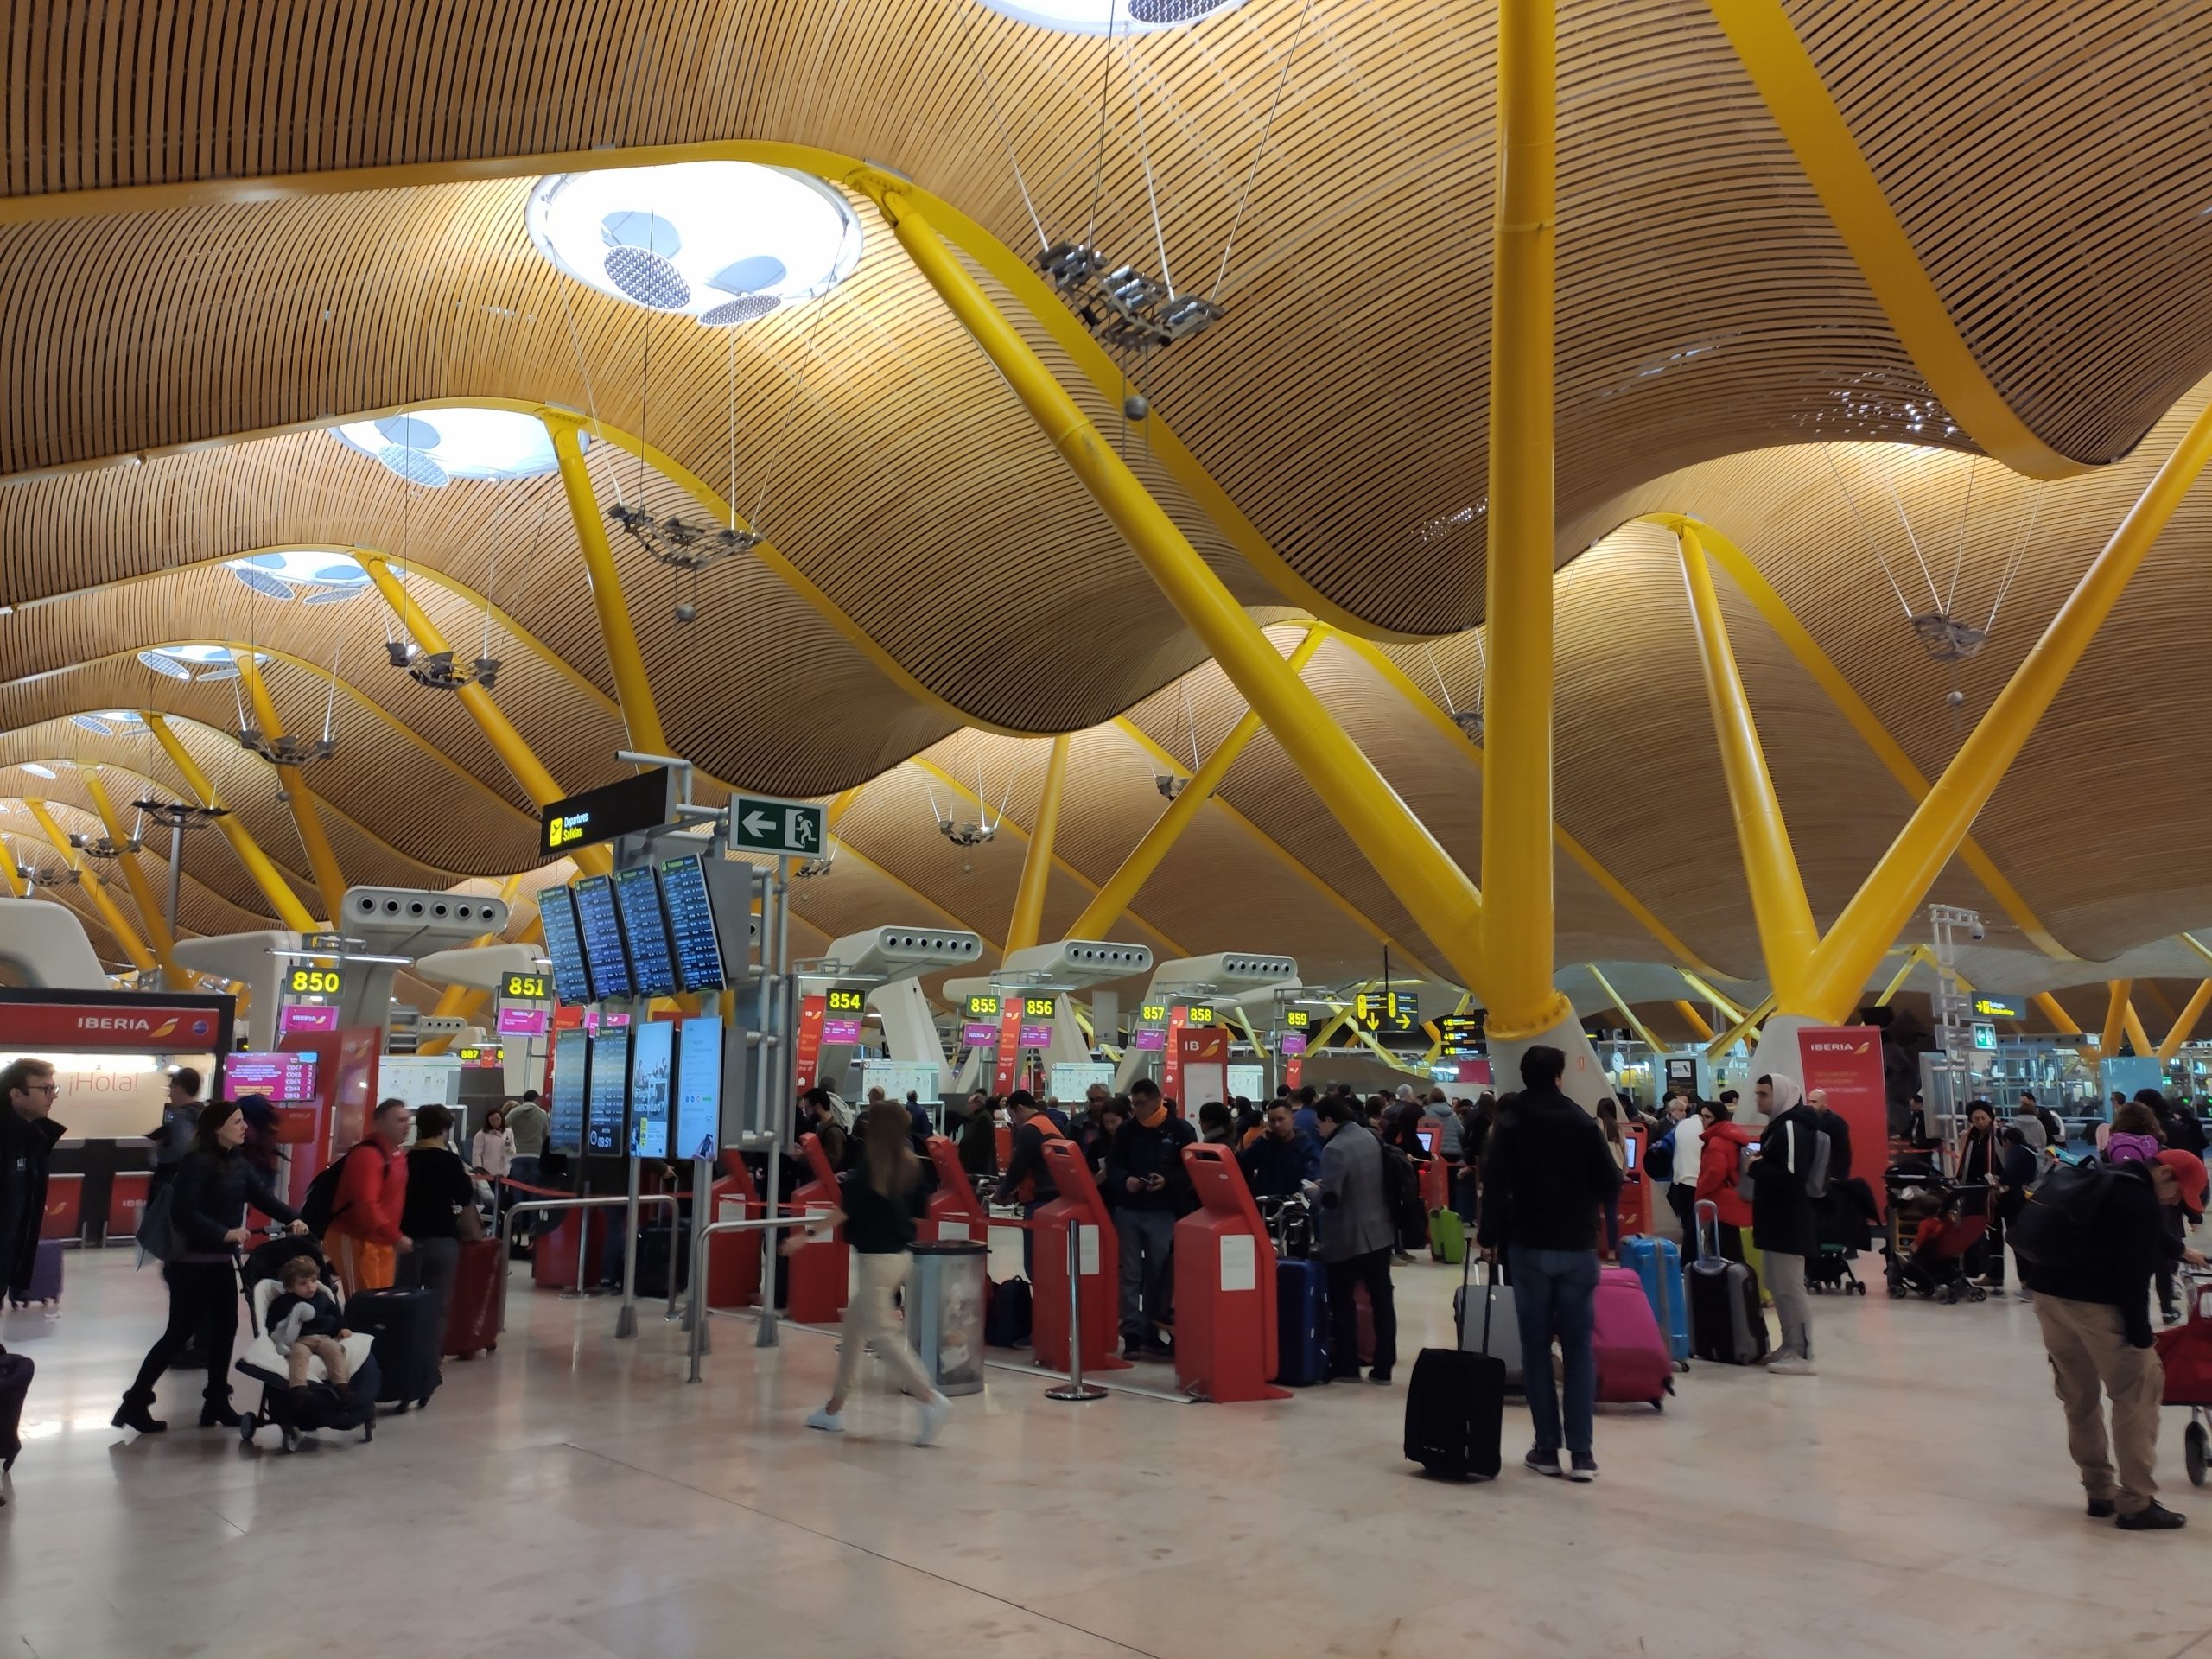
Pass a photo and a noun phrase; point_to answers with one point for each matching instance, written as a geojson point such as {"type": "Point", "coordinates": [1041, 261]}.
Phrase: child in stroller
{"type": "Point", "coordinates": [1933, 1264]}
{"type": "Point", "coordinates": [344, 1402]}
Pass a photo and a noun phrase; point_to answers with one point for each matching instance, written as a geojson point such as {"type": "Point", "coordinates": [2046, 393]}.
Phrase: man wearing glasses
{"type": "Point", "coordinates": [28, 1133]}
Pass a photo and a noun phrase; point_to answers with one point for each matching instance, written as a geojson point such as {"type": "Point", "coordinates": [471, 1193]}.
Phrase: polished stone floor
{"type": "Point", "coordinates": [572, 1499]}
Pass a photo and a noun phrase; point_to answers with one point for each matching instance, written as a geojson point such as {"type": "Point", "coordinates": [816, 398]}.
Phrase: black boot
{"type": "Point", "coordinates": [136, 1412]}
{"type": "Point", "coordinates": [215, 1412]}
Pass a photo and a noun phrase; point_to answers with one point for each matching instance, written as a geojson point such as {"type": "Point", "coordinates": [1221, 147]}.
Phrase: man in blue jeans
{"type": "Point", "coordinates": [1547, 1176]}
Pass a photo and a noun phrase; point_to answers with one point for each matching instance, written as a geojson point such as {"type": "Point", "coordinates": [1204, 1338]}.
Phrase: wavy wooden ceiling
{"type": "Point", "coordinates": [2048, 164]}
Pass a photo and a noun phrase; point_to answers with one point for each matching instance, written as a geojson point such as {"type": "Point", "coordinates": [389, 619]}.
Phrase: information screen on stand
{"type": "Point", "coordinates": [564, 1126]}
{"type": "Point", "coordinates": [608, 1093]}
{"type": "Point", "coordinates": [652, 1065]}
{"type": "Point", "coordinates": [636, 896]}
{"type": "Point", "coordinates": [601, 929]}
{"type": "Point", "coordinates": [556, 915]}
{"type": "Point", "coordinates": [691, 924]}
{"type": "Point", "coordinates": [699, 1086]}
{"type": "Point", "coordinates": [280, 1077]}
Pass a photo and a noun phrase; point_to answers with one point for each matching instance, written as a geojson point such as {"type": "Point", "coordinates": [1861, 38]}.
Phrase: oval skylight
{"type": "Point", "coordinates": [1127, 18]}
{"type": "Point", "coordinates": [194, 662]}
{"type": "Point", "coordinates": [108, 721]}
{"type": "Point", "coordinates": [722, 242]}
{"type": "Point", "coordinates": [433, 446]}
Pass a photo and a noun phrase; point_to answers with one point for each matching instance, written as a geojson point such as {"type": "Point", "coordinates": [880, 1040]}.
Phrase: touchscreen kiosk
{"type": "Point", "coordinates": [652, 1064]}
{"type": "Point", "coordinates": [699, 1086]}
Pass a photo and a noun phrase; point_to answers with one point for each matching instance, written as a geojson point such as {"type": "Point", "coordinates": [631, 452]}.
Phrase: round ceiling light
{"type": "Point", "coordinates": [723, 242]}
{"type": "Point", "coordinates": [433, 446]}
{"type": "Point", "coordinates": [1122, 17]}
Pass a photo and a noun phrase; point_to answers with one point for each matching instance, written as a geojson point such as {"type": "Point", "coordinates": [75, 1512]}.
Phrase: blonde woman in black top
{"type": "Point", "coordinates": [881, 1200]}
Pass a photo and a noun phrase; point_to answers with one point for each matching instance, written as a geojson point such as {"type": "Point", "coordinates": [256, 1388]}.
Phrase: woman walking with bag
{"type": "Point", "coordinates": [881, 1199]}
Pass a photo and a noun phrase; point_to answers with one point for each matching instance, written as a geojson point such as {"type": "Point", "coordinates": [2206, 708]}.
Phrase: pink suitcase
{"type": "Point", "coordinates": [1633, 1363]}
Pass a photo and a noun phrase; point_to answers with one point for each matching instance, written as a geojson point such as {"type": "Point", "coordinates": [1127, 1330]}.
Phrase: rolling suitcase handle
{"type": "Point", "coordinates": [1708, 1215]}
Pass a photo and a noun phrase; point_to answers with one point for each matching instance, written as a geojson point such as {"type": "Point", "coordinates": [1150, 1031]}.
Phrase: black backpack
{"type": "Point", "coordinates": [2055, 1226]}
{"type": "Point", "coordinates": [1401, 1190]}
{"type": "Point", "coordinates": [322, 1193]}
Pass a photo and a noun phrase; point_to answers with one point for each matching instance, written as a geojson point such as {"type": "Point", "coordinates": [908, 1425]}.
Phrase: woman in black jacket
{"type": "Point", "coordinates": [208, 1202]}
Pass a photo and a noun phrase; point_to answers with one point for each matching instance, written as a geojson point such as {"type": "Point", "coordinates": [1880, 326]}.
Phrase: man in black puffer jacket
{"type": "Point", "coordinates": [1147, 1188]}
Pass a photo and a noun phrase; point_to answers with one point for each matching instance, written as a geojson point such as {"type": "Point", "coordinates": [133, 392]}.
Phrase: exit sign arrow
{"type": "Point", "coordinates": [785, 828]}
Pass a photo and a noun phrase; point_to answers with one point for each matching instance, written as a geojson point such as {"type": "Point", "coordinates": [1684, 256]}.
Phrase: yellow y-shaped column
{"type": "Point", "coordinates": [133, 877]}
{"type": "Point", "coordinates": [282, 901]}
{"type": "Point", "coordinates": [329, 880]}
{"type": "Point", "coordinates": [1037, 864]}
{"type": "Point", "coordinates": [111, 912]}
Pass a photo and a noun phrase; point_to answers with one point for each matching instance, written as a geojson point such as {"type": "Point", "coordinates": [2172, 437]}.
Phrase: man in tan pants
{"type": "Point", "coordinates": [2087, 1242]}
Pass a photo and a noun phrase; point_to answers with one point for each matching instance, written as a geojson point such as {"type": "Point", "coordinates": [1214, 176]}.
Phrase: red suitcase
{"type": "Point", "coordinates": [473, 1322]}
{"type": "Point", "coordinates": [1633, 1361]}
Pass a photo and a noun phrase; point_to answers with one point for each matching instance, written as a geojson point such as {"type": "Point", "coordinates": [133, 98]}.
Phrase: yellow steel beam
{"type": "Point", "coordinates": [329, 880]}
{"type": "Point", "coordinates": [1797, 99]}
{"type": "Point", "coordinates": [1777, 615]}
{"type": "Point", "coordinates": [2185, 1022]}
{"type": "Point", "coordinates": [633, 688]}
{"type": "Point", "coordinates": [2060, 1020]}
{"type": "Point", "coordinates": [1393, 839]}
{"type": "Point", "coordinates": [2197, 945]}
{"type": "Point", "coordinates": [284, 903]}
{"type": "Point", "coordinates": [1643, 1031]}
{"type": "Point", "coordinates": [133, 877]}
{"type": "Point", "coordinates": [111, 912]}
{"type": "Point", "coordinates": [1515, 922]}
{"type": "Point", "coordinates": [499, 731]}
{"type": "Point", "coordinates": [1699, 1027]}
{"type": "Point", "coordinates": [1788, 934]}
{"type": "Point", "coordinates": [1870, 922]}
{"type": "Point", "coordinates": [1427, 708]}
{"type": "Point", "coordinates": [1913, 959]}
{"type": "Point", "coordinates": [2131, 1022]}
{"type": "Point", "coordinates": [1704, 989]}
{"type": "Point", "coordinates": [8, 870]}
{"type": "Point", "coordinates": [2115, 1016]}
{"type": "Point", "coordinates": [1037, 862]}
{"type": "Point", "coordinates": [1123, 885]}
{"type": "Point", "coordinates": [1745, 1029]}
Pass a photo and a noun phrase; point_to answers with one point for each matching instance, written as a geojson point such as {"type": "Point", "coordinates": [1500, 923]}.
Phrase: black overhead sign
{"type": "Point", "coordinates": [645, 802]}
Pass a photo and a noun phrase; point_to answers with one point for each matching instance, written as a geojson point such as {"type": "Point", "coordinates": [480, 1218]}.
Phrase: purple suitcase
{"type": "Point", "coordinates": [46, 1274]}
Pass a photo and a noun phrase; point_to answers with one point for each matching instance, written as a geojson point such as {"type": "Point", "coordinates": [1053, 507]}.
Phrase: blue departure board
{"type": "Point", "coordinates": [691, 924]}
{"type": "Point", "coordinates": [699, 1086]}
{"type": "Point", "coordinates": [556, 915]}
{"type": "Point", "coordinates": [636, 896]}
{"type": "Point", "coordinates": [601, 931]}
{"type": "Point", "coordinates": [652, 1065]}
{"type": "Point", "coordinates": [608, 1093]}
{"type": "Point", "coordinates": [564, 1126]}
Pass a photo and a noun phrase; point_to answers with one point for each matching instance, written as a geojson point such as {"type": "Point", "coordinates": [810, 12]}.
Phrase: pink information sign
{"type": "Point", "coordinates": [841, 1030]}
{"type": "Point", "coordinates": [977, 1034]}
{"type": "Point", "coordinates": [308, 1016]}
{"type": "Point", "coordinates": [1148, 1037]}
{"type": "Point", "coordinates": [280, 1077]}
{"type": "Point", "coordinates": [522, 1023]}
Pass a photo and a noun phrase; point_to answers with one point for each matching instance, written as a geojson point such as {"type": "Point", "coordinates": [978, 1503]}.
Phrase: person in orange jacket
{"type": "Point", "coordinates": [1720, 1157]}
{"type": "Point", "coordinates": [365, 1215]}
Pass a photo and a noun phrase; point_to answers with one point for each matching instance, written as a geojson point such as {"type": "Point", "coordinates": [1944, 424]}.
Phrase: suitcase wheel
{"type": "Point", "coordinates": [2193, 1451]}
{"type": "Point", "coordinates": [246, 1428]}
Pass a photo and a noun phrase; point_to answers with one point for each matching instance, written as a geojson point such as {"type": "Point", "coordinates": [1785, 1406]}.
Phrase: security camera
{"type": "Point", "coordinates": [1975, 931]}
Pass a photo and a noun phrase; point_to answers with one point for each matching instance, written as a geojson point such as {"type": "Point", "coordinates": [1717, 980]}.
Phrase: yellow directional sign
{"type": "Point", "coordinates": [1386, 1012]}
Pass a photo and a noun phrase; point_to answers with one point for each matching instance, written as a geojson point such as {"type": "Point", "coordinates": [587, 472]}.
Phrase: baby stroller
{"type": "Point", "coordinates": [1843, 1218]}
{"type": "Point", "coordinates": [321, 1406]}
{"type": "Point", "coordinates": [2186, 1353]}
{"type": "Point", "coordinates": [1932, 1224]}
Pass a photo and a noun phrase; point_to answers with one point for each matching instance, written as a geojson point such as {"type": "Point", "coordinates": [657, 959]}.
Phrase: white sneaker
{"type": "Point", "coordinates": [1791, 1365]}
{"type": "Point", "coordinates": [934, 1411]}
{"type": "Point", "coordinates": [830, 1422]}
{"type": "Point", "coordinates": [2024, 1295]}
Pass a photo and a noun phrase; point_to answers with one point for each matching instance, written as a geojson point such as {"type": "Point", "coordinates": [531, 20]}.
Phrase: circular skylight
{"type": "Point", "coordinates": [433, 446]}
{"type": "Point", "coordinates": [1126, 16]}
{"type": "Point", "coordinates": [724, 242]}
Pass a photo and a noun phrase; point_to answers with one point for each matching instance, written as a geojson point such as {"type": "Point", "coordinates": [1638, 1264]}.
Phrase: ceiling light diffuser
{"type": "Point", "coordinates": [721, 242]}
{"type": "Point", "coordinates": [36, 770]}
{"type": "Point", "coordinates": [432, 447]}
{"type": "Point", "coordinates": [312, 576]}
{"type": "Point", "coordinates": [1124, 18]}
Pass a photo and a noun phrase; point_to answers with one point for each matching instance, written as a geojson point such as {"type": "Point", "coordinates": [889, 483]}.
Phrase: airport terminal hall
{"type": "Point", "coordinates": [1105, 828]}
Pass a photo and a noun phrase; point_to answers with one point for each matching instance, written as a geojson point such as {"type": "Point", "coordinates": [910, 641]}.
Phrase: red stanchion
{"type": "Point", "coordinates": [1098, 1266]}
{"type": "Point", "coordinates": [1224, 1286]}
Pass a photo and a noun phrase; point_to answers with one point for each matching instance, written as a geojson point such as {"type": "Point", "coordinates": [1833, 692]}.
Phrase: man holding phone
{"type": "Point", "coordinates": [1148, 1189]}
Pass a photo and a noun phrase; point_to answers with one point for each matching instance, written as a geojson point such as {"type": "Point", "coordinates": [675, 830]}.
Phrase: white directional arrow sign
{"type": "Point", "coordinates": [764, 824]}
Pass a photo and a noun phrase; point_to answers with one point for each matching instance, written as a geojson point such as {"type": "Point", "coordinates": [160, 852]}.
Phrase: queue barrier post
{"type": "Point", "coordinates": [762, 1225]}
{"type": "Point", "coordinates": [507, 1228]}
{"type": "Point", "coordinates": [1077, 1254]}
{"type": "Point", "coordinates": [1075, 1389]}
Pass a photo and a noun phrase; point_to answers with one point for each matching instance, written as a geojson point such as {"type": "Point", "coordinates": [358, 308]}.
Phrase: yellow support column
{"type": "Point", "coordinates": [1788, 934]}
{"type": "Point", "coordinates": [282, 901]}
{"type": "Point", "coordinates": [1887, 898]}
{"type": "Point", "coordinates": [1037, 864]}
{"type": "Point", "coordinates": [2115, 1018]}
{"type": "Point", "coordinates": [2185, 1023]}
{"type": "Point", "coordinates": [1123, 886]}
{"type": "Point", "coordinates": [1404, 854]}
{"type": "Point", "coordinates": [498, 729]}
{"type": "Point", "coordinates": [111, 912]}
{"type": "Point", "coordinates": [8, 870]}
{"type": "Point", "coordinates": [329, 880]}
{"type": "Point", "coordinates": [133, 877]}
{"type": "Point", "coordinates": [1516, 868]}
{"type": "Point", "coordinates": [1698, 1026]}
{"type": "Point", "coordinates": [2131, 1022]}
{"type": "Point", "coordinates": [633, 689]}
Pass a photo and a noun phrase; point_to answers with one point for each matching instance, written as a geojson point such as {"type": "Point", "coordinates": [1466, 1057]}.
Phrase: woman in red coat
{"type": "Point", "coordinates": [1720, 1161]}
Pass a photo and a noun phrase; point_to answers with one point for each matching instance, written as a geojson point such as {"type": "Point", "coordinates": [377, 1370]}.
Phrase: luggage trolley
{"type": "Point", "coordinates": [2186, 1353]}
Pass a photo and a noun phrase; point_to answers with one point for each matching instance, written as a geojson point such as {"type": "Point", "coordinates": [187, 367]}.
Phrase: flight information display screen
{"type": "Point", "coordinates": [601, 929]}
{"type": "Point", "coordinates": [691, 924]}
{"type": "Point", "coordinates": [636, 896]}
{"type": "Point", "coordinates": [699, 1086]}
{"type": "Point", "coordinates": [608, 1093]}
{"type": "Point", "coordinates": [564, 1126]}
{"type": "Point", "coordinates": [556, 915]}
{"type": "Point", "coordinates": [652, 1065]}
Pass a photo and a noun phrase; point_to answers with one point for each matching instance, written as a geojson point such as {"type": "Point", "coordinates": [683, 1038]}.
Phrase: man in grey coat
{"type": "Point", "coordinates": [1357, 1238]}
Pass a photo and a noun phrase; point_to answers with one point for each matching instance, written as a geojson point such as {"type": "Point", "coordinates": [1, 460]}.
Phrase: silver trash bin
{"type": "Point", "coordinates": [944, 1312]}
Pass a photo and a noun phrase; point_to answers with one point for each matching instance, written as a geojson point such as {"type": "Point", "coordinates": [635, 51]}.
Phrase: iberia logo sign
{"type": "Point", "coordinates": [1837, 1046]}
{"type": "Point", "coordinates": [108, 1026]}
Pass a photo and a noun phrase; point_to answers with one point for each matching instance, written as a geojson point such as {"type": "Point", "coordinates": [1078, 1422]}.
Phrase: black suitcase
{"type": "Point", "coordinates": [406, 1326]}
{"type": "Point", "coordinates": [1726, 1324]}
{"type": "Point", "coordinates": [653, 1258]}
{"type": "Point", "coordinates": [15, 1373]}
{"type": "Point", "coordinates": [1455, 1410]}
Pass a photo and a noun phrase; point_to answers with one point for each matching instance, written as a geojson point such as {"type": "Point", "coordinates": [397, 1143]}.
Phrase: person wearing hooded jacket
{"type": "Point", "coordinates": [1783, 1224]}
{"type": "Point", "coordinates": [1720, 1155]}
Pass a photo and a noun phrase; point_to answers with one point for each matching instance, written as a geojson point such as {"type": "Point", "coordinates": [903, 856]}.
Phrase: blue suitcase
{"type": "Point", "coordinates": [1658, 1262]}
{"type": "Point", "coordinates": [1301, 1323]}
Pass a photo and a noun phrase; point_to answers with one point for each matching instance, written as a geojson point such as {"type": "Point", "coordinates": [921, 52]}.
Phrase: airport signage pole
{"type": "Point", "coordinates": [625, 1322]}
